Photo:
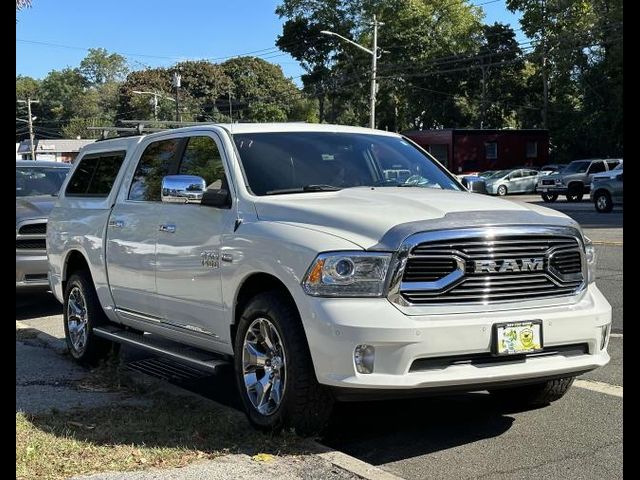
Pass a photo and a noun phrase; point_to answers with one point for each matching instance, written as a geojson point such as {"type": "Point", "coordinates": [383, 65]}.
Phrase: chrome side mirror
{"type": "Point", "coordinates": [183, 189]}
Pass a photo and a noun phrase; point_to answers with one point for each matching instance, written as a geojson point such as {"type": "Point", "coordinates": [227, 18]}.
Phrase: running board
{"type": "Point", "coordinates": [191, 356]}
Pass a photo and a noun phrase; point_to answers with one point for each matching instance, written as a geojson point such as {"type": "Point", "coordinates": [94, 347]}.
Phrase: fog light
{"type": "Point", "coordinates": [364, 356]}
{"type": "Point", "coordinates": [605, 336]}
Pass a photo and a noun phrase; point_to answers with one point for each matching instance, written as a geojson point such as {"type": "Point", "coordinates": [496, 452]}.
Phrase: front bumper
{"type": "Point", "coordinates": [557, 189]}
{"type": "Point", "coordinates": [336, 326]}
{"type": "Point", "coordinates": [31, 270]}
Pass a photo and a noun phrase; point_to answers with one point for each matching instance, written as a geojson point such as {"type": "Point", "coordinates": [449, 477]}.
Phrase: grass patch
{"type": "Point", "coordinates": [173, 432]}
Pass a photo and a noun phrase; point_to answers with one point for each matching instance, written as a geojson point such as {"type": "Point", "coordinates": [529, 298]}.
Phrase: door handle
{"type": "Point", "coordinates": [168, 228]}
{"type": "Point", "coordinates": [116, 223]}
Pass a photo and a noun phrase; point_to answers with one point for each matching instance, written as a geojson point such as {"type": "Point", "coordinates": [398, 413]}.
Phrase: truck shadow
{"type": "Point", "coordinates": [36, 304]}
{"type": "Point", "coordinates": [386, 431]}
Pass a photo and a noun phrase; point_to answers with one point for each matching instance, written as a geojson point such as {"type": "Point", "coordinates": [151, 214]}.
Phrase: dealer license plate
{"type": "Point", "coordinates": [517, 337]}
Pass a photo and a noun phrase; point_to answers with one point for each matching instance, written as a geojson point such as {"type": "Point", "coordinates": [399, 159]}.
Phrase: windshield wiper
{"type": "Point", "coordinates": [306, 188]}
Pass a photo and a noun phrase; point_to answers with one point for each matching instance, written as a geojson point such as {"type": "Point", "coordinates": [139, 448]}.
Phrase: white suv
{"type": "Point", "coordinates": [290, 251]}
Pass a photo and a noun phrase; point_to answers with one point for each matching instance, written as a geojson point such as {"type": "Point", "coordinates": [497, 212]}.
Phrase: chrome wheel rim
{"type": "Point", "coordinates": [77, 320]}
{"type": "Point", "coordinates": [502, 190]}
{"type": "Point", "coordinates": [602, 202]}
{"type": "Point", "coordinates": [264, 366]}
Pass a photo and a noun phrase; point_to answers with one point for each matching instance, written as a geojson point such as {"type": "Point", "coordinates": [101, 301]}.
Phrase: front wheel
{"type": "Point", "coordinates": [549, 197]}
{"type": "Point", "coordinates": [502, 190]}
{"type": "Point", "coordinates": [535, 395]}
{"type": "Point", "coordinates": [81, 313]}
{"type": "Point", "coordinates": [602, 202]}
{"type": "Point", "coordinates": [274, 371]}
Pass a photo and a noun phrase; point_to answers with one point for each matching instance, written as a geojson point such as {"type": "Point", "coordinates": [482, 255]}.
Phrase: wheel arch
{"type": "Point", "coordinates": [253, 284]}
{"type": "Point", "coordinates": [74, 260]}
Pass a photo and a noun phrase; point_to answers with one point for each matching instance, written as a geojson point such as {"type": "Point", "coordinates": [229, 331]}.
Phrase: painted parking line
{"type": "Point", "coordinates": [606, 243]}
{"type": "Point", "coordinates": [599, 387]}
{"type": "Point", "coordinates": [615, 335]}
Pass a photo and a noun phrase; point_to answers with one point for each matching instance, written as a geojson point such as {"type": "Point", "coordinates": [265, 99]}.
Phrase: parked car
{"type": "Point", "coordinates": [606, 191]}
{"type": "Point", "coordinates": [36, 184]}
{"type": "Point", "coordinates": [474, 183]}
{"type": "Point", "coordinates": [502, 182]}
{"type": "Point", "coordinates": [574, 181]}
{"type": "Point", "coordinates": [552, 168]}
{"type": "Point", "coordinates": [315, 277]}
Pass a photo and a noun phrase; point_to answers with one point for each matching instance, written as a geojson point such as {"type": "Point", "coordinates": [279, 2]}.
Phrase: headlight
{"type": "Point", "coordinates": [558, 181]}
{"type": "Point", "coordinates": [590, 257]}
{"type": "Point", "coordinates": [347, 274]}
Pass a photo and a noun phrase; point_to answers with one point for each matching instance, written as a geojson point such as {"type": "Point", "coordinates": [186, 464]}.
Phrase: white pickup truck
{"type": "Point", "coordinates": [288, 251]}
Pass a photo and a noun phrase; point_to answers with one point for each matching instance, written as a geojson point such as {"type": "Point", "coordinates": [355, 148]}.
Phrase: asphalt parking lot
{"type": "Point", "coordinates": [469, 436]}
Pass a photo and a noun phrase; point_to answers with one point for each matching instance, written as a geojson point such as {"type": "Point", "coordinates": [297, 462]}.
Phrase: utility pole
{"type": "Point", "coordinates": [154, 101]}
{"type": "Point", "coordinates": [176, 83]}
{"type": "Point", "coordinates": [28, 101]}
{"type": "Point", "coordinates": [545, 79]}
{"type": "Point", "coordinates": [374, 62]}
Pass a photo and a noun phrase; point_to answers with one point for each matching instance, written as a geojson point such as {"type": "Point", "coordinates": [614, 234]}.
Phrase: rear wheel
{"type": "Point", "coordinates": [502, 190]}
{"type": "Point", "coordinates": [274, 371]}
{"type": "Point", "coordinates": [82, 312]}
{"type": "Point", "coordinates": [537, 394]}
{"type": "Point", "coordinates": [602, 202]}
{"type": "Point", "coordinates": [549, 197]}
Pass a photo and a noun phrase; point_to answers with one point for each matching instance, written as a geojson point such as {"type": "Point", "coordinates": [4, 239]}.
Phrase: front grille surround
{"type": "Point", "coordinates": [31, 235]}
{"type": "Point", "coordinates": [561, 280]}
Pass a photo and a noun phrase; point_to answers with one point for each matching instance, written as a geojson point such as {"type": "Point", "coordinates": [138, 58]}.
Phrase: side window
{"type": "Point", "coordinates": [156, 162]}
{"type": "Point", "coordinates": [612, 164]}
{"type": "Point", "coordinates": [597, 167]}
{"type": "Point", "coordinates": [202, 158]}
{"type": "Point", "coordinates": [95, 175]}
{"type": "Point", "coordinates": [491, 150]}
{"type": "Point", "coordinates": [515, 175]}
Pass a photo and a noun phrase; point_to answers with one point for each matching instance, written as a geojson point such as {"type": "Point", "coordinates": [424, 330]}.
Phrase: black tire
{"type": "Point", "coordinates": [575, 193]}
{"type": "Point", "coordinates": [502, 191]}
{"type": "Point", "coordinates": [305, 405]}
{"type": "Point", "coordinates": [94, 348]}
{"type": "Point", "coordinates": [534, 395]}
{"type": "Point", "coordinates": [549, 197]}
{"type": "Point", "coordinates": [602, 202]}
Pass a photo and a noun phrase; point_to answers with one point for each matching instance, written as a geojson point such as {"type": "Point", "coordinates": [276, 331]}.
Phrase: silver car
{"type": "Point", "coordinates": [37, 183]}
{"type": "Point", "coordinates": [520, 180]}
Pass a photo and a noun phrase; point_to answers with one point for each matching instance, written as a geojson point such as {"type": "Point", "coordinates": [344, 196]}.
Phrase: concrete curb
{"type": "Point", "coordinates": [351, 464]}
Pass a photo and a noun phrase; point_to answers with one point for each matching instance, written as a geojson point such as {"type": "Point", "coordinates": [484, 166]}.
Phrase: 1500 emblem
{"type": "Point", "coordinates": [210, 259]}
{"type": "Point", "coordinates": [509, 265]}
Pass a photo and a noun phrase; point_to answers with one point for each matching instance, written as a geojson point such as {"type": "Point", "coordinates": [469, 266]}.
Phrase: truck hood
{"type": "Point", "coordinates": [34, 207]}
{"type": "Point", "coordinates": [378, 218]}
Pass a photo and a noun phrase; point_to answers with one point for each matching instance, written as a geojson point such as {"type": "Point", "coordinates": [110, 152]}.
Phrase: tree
{"type": "Point", "coordinates": [260, 90]}
{"type": "Point", "coordinates": [100, 67]}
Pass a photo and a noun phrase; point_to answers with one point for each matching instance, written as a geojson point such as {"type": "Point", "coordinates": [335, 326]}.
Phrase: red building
{"type": "Point", "coordinates": [469, 150]}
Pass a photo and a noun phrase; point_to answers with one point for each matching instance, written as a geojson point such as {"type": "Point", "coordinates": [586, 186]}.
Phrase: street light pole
{"type": "Point", "coordinates": [374, 66]}
{"type": "Point", "coordinates": [28, 101]}
{"type": "Point", "coordinates": [374, 86]}
{"type": "Point", "coordinates": [176, 83]}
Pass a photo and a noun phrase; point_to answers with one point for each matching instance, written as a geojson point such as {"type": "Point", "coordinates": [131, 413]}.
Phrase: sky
{"type": "Point", "coordinates": [54, 34]}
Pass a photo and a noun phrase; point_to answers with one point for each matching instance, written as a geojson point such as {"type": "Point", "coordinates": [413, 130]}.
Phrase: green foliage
{"type": "Point", "coordinates": [100, 67]}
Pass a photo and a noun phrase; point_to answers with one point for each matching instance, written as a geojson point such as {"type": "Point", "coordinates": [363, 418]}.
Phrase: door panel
{"type": "Point", "coordinates": [188, 247]}
{"type": "Point", "coordinates": [131, 256]}
{"type": "Point", "coordinates": [189, 288]}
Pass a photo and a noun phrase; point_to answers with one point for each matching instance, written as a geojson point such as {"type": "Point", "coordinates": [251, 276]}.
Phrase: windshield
{"type": "Point", "coordinates": [486, 174]}
{"type": "Point", "coordinates": [295, 162]}
{"type": "Point", "coordinates": [577, 167]}
{"type": "Point", "coordinates": [618, 167]}
{"type": "Point", "coordinates": [39, 180]}
{"type": "Point", "coordinates": [499, 173]}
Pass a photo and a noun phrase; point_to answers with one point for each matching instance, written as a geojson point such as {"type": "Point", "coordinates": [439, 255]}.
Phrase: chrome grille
{"type": "Point", "coordinates": [31, 235]}
{"type": "Point", "coordinates": [560, 272]}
